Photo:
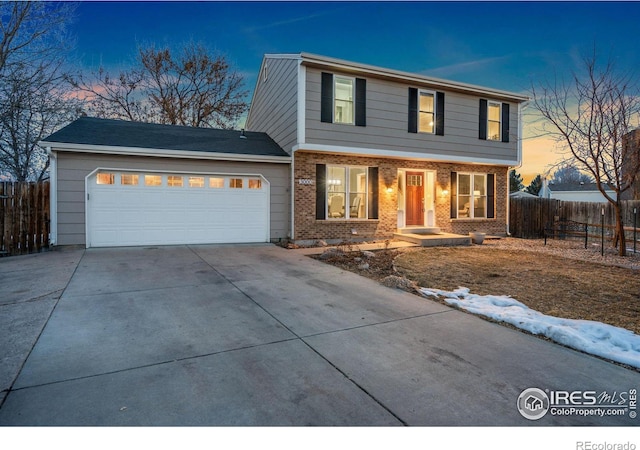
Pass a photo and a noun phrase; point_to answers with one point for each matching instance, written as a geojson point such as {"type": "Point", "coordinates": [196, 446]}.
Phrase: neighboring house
{"type": "Point", "coordinates": [118, 183]}
{"type": "Point", "coordinates": [522, 194]}
{"type": "Point", "coordinates": [575, 192]}
{"type": "Point", "coordinates": [376, 150]}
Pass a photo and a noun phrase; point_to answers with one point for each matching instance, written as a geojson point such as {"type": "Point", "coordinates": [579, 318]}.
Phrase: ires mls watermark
{"type": "Point", "coordinates": [534, 403]}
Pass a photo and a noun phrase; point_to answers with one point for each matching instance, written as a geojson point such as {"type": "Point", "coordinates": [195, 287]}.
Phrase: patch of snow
{"type": "Point", "coordinates": [606, 341]}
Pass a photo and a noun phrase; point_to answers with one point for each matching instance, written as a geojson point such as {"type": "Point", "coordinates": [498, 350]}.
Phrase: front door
{"type": "Point", "coordinates": [415, 198]}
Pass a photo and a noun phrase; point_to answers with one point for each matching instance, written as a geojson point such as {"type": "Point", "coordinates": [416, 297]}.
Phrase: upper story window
{"type": "Point", "coordinates": [426, 111]}
{"type": "Point", "coordinates": [343, 100]}
{"type": "Point", "coordinates": [494, 121]}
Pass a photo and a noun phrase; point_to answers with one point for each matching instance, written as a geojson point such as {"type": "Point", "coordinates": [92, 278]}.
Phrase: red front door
{"type": "Point", "coordinates": [415, 198]}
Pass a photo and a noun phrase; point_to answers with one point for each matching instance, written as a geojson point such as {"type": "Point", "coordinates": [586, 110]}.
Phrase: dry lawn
{"type": "Point", "coordinates": [546, 282]}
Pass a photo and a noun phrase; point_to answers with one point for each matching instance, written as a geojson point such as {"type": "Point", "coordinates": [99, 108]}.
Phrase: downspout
{"type": "Point", "coordinates": [293, 187]}
{"type": "Point", "coordinates": [509, 169]}
{"type": "Point", "coordinates": [301, 99]}
{"type": "Point", "coordinates": [53, 196]}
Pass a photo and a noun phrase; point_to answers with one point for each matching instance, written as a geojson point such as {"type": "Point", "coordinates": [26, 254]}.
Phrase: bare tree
{"type": "Point", "coordinates": [588, 117]}
{"type": "Point", "coordinates": [190, 87]}
{"type": "Point", "coordinates": [32, 30]}
{"type": "Point", "coordinates": [35, 103]}
{"type": "Point", "coordinates": [569, 174]}
{"type": "Point", "coordinates": [117, 97]}
{"type": "Point", "coordinates": [34, 100]}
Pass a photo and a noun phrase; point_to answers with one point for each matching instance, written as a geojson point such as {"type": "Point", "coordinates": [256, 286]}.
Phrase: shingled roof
{"type": "Point", "coordinates": [120, 133]}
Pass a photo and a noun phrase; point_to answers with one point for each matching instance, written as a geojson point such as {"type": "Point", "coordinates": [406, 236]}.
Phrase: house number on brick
{"type": "Point", "coordinates": [306, 181]}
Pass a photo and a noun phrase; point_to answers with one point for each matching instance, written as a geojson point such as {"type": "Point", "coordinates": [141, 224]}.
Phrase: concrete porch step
{"type": "Point", "coordinates": [433, 240]}
{"type": "Point", "coordinates": [419, 230]}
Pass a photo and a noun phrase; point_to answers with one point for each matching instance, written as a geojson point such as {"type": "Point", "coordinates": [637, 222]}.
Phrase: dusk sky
{"type": "Point", "coordinates": [503, 45]}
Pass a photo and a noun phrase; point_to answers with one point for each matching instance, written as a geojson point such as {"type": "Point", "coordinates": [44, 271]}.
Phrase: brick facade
{"type": "Point", "coordinates": [308, 228]}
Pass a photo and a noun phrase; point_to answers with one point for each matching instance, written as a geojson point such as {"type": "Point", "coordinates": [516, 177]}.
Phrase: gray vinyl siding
{"type": "Point", "coordinates": [387, 119]}
{"type": "Point", "coordinates": [274, 103]}
{"type": "Point", "coordinates": [72, 168]}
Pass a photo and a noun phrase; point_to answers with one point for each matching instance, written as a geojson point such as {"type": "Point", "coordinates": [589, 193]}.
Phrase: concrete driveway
{"type": "Point", "coordinates": [258, 336]}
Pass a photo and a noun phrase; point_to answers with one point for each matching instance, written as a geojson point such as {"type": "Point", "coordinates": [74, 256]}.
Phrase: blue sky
{"type": "Point", "coordinates": [504, 45]}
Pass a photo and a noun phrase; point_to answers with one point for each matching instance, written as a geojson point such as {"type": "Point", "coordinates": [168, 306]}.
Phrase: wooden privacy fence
{"type": "Point", "coordinates": [24, 217]}
{"type": "Point", "coordinates": [528, 217]}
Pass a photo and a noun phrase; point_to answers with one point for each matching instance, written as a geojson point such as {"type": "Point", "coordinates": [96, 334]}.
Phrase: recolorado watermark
{"type": "Point", "coordinates": [534, 404]}
{"type": "Point", "coordinates": [588, 445]}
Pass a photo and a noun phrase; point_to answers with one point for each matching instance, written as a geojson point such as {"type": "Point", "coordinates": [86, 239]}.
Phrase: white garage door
{"type": "Point", "coordinates": [150, 208]}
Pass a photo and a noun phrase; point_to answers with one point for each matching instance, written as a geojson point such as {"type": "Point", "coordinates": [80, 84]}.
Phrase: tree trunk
{"type": "Point", "coordinates": [620, 237]}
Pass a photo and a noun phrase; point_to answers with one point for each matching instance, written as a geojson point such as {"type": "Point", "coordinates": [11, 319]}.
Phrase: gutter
{"type": "Point", "coordinates": [164, 153]}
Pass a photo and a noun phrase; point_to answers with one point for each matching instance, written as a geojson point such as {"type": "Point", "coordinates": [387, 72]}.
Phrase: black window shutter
{"type": "Point", "coordinates": [326, 98]}
{"type": "Point", "coordinates": [321, 191]}
{"type": "Point", "coordinates": [505, 122]}
{"type": "Point", "coordinates": [413, 110]}
{"type": "Point", "coordinates": [491, 196]}
{"type": "Point", "coordinates": [483, 119]}
{"type": "Point", "coordinates": [440, 113]}
{"type": "Point", "coordinates": [373, 193]}
{"type": "Point", "coordinates": [361, 102]}
{"type": "Point", "coordinates": [454, 195]}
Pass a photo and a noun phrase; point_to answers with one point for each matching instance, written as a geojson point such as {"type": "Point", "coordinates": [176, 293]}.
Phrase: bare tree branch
{"type": "Point", "coordinates": [590, 117]}
{"type": "Point", "coordinates": [191, 87]}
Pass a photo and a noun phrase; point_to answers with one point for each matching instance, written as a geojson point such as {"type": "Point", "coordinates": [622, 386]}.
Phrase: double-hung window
{"type": "Point", "coordinates": [494, 121]}
{"type": "Point", "coordinates": [472, 196]}
{"type": "Point", "coordinates": [343, 100]}
{"type": "Point", "coordinates": [426, 111]}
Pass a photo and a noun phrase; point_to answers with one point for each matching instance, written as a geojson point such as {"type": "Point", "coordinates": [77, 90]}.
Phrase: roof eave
{"type": "Point", "coordinates": [162, 153]}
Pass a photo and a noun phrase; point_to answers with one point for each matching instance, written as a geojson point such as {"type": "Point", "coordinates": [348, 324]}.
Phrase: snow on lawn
{"type": "Point", "coordinates": [606, 341]}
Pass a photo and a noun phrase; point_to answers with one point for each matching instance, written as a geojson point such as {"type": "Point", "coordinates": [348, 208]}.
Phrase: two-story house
{"type": "Point", "coordinates": [375, 150]}
{"type": "Point", "coordinates": [334, 150]}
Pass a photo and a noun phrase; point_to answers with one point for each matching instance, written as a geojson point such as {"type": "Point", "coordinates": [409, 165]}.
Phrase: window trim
{"type": "Point", "coordinates": [353, 99]}
{"type": "Point", "coordinates": [414, 111]}
{"type": "Point", "coordinates": [372, 192]}
{"type": "Point", "coordinates": [489, 196]}
{"type": "Point", "coordinates": [347, 191]}
{"type": "Point", "coordinates": [498, 137]}
{"type": "Point", "coordinates": [434, 112]}
{"type": "Point", "coordinates": [503, 118]}
{"type": "Point", "coordinates": [327, 99]}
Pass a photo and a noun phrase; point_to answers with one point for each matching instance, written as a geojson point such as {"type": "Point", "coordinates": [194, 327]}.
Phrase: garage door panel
{"type": "Point", "coordinates": [120, 215]}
